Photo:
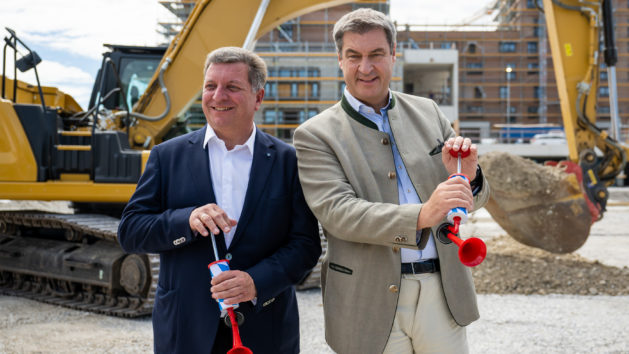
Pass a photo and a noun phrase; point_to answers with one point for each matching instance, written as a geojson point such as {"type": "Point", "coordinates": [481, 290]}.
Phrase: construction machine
{"type": "Point", "coordinates": [52, 150]}
{"type": "Point", "coordinates": [553, 207]}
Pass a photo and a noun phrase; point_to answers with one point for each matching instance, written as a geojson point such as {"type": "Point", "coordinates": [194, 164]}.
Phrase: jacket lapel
{"type": "Point", "coordinates": [199, 168]}
{"type": "Point", "coordinates": [264, 155]}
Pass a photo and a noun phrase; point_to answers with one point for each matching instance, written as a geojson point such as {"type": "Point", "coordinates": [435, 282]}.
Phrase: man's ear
{"type": "Point", "coordinates": [259, 98]}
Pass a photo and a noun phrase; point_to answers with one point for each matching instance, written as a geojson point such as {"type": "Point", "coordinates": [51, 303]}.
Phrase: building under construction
{"type": "Point", "coordinates": [484, 77]}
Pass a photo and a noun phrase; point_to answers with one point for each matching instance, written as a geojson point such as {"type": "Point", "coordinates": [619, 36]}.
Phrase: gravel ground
{"type": "Point", "coordinates": [508, 324]}
{"type": "Point", "coordinates": [531, 301]}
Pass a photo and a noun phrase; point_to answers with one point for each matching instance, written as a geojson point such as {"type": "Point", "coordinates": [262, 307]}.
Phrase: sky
{"type": "Point", "coordinates": [69, 35]}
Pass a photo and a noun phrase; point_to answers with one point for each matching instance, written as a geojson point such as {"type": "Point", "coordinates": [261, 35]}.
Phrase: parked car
{"type": "Point", "coordinates": [550, 138]}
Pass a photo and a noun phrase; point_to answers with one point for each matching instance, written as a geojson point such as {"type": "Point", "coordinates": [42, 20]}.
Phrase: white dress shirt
{"type": "Point", "coordinates": [229, 170]}
{"type": "Point", "coordinates": [406, 190]}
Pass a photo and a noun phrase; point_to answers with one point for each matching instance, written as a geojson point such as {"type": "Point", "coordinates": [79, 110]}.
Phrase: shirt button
{"type": "Point", "coordinates": [228, 256]}
{"type": "Point", "coordinates": [391, 175]}
{"type": "Point", "coordinates": [385, 141]}
{"type": "Point", "coordinates": [393, 288]}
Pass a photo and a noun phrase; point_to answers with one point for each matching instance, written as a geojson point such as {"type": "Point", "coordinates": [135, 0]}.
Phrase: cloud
{"type": "Point", "coordinates": [70, 79]}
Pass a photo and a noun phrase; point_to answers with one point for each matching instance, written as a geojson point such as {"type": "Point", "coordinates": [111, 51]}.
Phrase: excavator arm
{"type": "Point", "coordinates": [553, 207]}
{"type": "Point", "coordinates": [211, 24]}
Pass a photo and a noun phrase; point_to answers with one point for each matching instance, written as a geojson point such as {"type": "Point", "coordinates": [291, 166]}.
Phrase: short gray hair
{"type": "Point", "coordinates": [231, 55]}
{"type": "Point", "coordinates": [362, 21]}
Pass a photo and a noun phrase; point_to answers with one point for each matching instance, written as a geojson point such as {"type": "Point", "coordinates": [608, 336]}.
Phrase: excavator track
{"type": "Point", "coordinates": [115, 283]}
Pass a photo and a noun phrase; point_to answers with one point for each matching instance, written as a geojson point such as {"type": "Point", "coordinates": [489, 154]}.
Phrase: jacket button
{"type": "Point", "coordinates": [385, 141]}
{"type": "Point", "coordinates": [391, 175]}
{"type": "Point", "coordinates": [396, 249]}
{"type": "Point", "coordinates": [393, 288]}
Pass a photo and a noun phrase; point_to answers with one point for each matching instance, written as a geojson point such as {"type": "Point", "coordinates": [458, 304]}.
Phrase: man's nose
{"type": "Point", "coordinates": [220, 92]}
{"type": "Point", "coordinates": [365, 65]}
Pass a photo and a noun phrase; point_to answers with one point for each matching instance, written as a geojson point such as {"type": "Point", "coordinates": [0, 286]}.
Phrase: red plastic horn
{"type": "Point", "coordinates": [472, 251]}
{"type": "Point", "coordinates": [237, 347]}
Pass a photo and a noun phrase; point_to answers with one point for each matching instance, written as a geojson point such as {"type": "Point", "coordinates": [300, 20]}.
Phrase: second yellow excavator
{"type": "Point", "coordinates": [553, 207]}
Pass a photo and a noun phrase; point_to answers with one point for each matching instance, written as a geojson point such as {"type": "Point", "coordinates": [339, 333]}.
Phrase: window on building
{"type": "Point", "coordinates": [446, 45]}
{"type": "Point", "coordinates": [603, 91]}
{"type": "Point", "coordinates": [511, 75]}
{"type": "Point", "coordinates": [503, 91]}
{"type": "Point", "coordinates": [314, 90]}
{"type": "Point", "coordinates": [506, 47]}
{"type": "Point", "coordinates": [533, 68]}
{"type": "Point", "coordinates": [270, 90]}
{"type": "Point", "coordinates": [537, 92]}
{"type": "Point", "coordinates": [536, 31]}
{"type": "Point", "coordinates": [602, 109]}
{"type": "Point", "coordinates": [603, 74]}
{"type": "Point", "coordinates": [294, 90]}
{"type": "Point", "coordinates": [531, 47]}
{"type": "Point", "coordinates": [532, 109]}
{"type": "Point", "coordinates": [272, 116]}
{"type": "Point", "coordinates": [474, 66]}
{"type": "Point", "coordinates": [475, 109]}
{"type": "Point", "coordinates": [471, 48]}
{"type": "Point", "coordinates": [530, 4]}
{"type": "Point", "coordinates": [479, 92]}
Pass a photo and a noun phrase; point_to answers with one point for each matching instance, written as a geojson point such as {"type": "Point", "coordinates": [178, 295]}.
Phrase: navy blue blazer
{"type": "Point", "coordinates": [276, 242]}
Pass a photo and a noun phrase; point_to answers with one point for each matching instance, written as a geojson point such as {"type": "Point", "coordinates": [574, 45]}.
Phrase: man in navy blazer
{"type": "Point", "coordinates": [268, 234]}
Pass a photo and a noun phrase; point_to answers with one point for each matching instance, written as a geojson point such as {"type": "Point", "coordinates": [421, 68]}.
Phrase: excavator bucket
{"type": "Point", "coordinates": [539, 206]}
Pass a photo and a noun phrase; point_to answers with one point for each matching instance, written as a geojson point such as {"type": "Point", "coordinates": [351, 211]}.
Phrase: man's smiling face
{"type": "Point", "coordinates": [229, 102]}
{"type": "Point", "coordinates": [367, 64]}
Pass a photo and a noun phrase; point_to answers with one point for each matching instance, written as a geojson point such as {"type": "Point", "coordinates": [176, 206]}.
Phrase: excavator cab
{"type": "Point", "coordinates": [128, 68]}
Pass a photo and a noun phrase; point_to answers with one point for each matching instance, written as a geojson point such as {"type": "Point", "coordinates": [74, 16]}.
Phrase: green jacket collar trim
{"type": "Point", "coordinates": [359, 117]}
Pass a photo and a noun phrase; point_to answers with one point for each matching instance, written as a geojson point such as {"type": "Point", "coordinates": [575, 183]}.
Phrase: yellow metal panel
{"type": "Point", "coordinates": [73, 147]}
{"type": "Point", "coordinates": [74, 177]}
{"type": "Point", "coordinates": [76, 133]}
{"type": "Point", "coordinates": [571, 63]}
{"type": "Point", "coordinates": [73, 191]}
{"type": "Point", "coordinates": [17, 162]}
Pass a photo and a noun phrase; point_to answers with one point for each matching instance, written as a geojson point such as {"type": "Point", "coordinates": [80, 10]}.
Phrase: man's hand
{"type": "Point", "coordinates": [468, 164]}
{"type": "Point", "coordinates": [234, 286]}
{"type": "Point", "coordinates": [210, 217]}
{"type": "Point", "coordinates": [454, 192]}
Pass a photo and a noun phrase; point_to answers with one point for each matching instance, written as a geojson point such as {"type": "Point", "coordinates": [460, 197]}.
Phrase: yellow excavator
{"type": "Point", "coordinates": [52, 150]}
{"type": "Point", "coordinates": [553, 207]}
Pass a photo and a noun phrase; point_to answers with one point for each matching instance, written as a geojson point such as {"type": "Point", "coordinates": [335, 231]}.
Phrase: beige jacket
{"type": "Point", "coordinates": [348, 176]}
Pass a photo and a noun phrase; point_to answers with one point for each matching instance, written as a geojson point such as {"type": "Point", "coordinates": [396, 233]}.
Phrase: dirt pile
{"type": "Point", "coordinates": [540, 206]}
{"type": "Point", "coordinates": [513, 268]}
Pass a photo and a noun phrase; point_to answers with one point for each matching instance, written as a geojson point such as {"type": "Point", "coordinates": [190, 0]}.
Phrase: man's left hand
{"type": "Point", "coordinates": [234, 286]}
{"type": "Point", "coordinates": [468, 164]}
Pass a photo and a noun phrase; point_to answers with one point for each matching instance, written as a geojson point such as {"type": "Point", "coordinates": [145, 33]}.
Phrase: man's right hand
{"type": "Point", "coordinates": [452, 193]}
{"type": "Point", "coordinates": [210, 217]}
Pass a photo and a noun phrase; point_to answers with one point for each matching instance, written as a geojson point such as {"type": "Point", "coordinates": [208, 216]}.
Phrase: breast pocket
{"type": "Point", "coordinates": [165, 320]}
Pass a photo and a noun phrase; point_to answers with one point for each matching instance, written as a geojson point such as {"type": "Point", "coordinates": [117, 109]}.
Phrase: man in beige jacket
{"type": "Point", "coordinates": [374, 169]}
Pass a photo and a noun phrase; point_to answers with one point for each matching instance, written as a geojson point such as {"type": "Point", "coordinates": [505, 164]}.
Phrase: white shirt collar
{"type": "Point", "coordinates": [210, 134]}
{"type": "Point", "coordinates": [359, 106]}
